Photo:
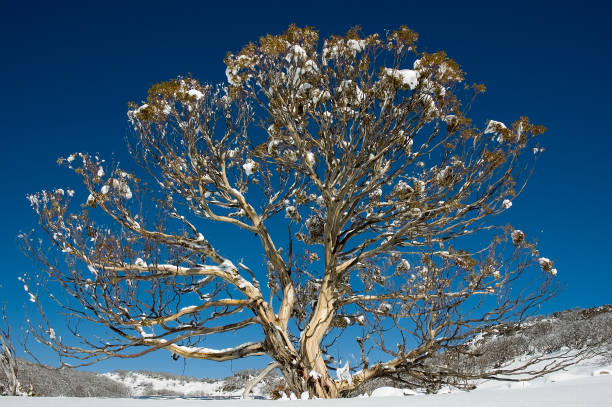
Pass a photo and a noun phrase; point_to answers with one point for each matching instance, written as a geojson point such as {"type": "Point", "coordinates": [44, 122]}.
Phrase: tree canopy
{"type": "Point", "coordinates": [370, 192]}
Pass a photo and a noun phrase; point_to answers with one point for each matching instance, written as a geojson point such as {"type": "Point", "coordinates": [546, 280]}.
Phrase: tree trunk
{"type": "Point", "coordinates": [299, 380]}
{"type": "Point", "coordinates": [298, 369]}
{"type": "Point", "coordinates": [307, 371]}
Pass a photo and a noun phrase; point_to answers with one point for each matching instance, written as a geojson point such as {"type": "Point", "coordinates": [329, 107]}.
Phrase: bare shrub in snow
{"type": "Point", "coordinates": [360, 148]}
{"type": "Point", "coordinates": [8, 359]}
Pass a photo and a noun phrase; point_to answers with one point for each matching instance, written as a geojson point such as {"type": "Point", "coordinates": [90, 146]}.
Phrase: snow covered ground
{"type": "Point", "coordinates": [588, 384]}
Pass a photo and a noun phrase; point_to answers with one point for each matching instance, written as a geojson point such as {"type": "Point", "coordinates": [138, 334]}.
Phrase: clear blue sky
{"type": "Point", "coordinates": [68, 71]}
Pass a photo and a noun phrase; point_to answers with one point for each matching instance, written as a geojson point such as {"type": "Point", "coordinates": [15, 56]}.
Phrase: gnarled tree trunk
{"type": "Point", "coordinates": [306, 370]}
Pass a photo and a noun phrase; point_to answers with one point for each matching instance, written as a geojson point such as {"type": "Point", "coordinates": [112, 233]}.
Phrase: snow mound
{"type": "Point", "coordinates": [392, 392]}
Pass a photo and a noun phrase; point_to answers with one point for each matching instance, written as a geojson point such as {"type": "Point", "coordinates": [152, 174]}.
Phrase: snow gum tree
{"type": "Point", "coordinates": [352, 164]}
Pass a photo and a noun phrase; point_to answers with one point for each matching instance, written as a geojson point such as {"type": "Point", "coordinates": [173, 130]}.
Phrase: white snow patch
{"type": "Point", "coordinates": [249, 166]}
{"type": "Point", "coordinates": [344, 373]}
{"type": "Point", "coordinates": [195, 93]}
{"type": "Point", "coordinates": [310, 158]}
{"type": "Point", "coordinates": [227, 265]}
{"type": "Point", "coordinates": [405, 264]}
{"type": "Point", "coordinates": [392, 392]}
{"type": "Point", "coordinates": [384, 307]}
{"type": "Point", "coordinates": [92, 270]}
{"type": "Point", "coordinates": [493, 125]}
{"type": "Point", "coordinates": [140, 262]}
{"type": "Point", "coordinates": [356, 45]}
{"type": "Point", "coordinates": [407, 77]}
{"type": "Point", "coordinates": [144, 106]}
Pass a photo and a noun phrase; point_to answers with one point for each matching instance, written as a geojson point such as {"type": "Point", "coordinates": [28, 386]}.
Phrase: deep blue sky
{"type": "Point", "coordinates": [68, 71]}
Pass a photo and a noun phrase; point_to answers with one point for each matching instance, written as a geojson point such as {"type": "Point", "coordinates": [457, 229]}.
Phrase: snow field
{"type": "Point", "coordinates": [588, 384]}
{"type": "Point", "coordinates": [587, 391]}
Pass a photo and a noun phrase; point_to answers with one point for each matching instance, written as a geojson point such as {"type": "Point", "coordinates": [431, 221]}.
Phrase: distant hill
{"type": "Point", "coordinates": [49, 382]}
{"type": "Point", "coordinates": [570, 329]}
